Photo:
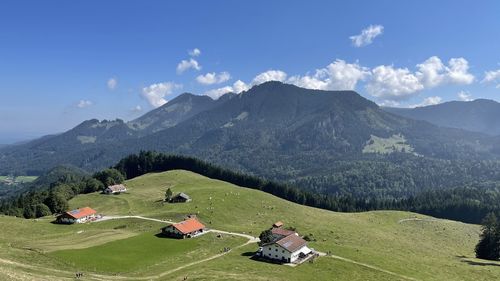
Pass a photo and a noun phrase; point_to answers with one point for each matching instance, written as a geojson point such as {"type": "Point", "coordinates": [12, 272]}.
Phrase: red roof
{"type": "Point", "coordinates": [188, 225]}
{"type": "Point", "coordinates": [80, 213]}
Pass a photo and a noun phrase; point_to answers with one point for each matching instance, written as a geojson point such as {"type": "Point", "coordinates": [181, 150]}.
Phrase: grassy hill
{"type": "Point", "coordinates": [382, 245]}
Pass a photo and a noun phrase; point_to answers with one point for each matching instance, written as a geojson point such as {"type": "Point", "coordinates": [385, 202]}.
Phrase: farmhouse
{"type": "Point", "coordinates": [180, 198]}
{"type": "Point", "coordinates": [286, 246]}
{"type": "Point", "coordinates": [185, 229]}
{"type": "Point", "coordinates": [77, 216]}
{"type": "Point", "coordinates": [115, 189]}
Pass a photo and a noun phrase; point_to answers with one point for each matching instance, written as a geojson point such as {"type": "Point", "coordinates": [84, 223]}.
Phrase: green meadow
{"type": "Point", "coordinates": [381, 245]}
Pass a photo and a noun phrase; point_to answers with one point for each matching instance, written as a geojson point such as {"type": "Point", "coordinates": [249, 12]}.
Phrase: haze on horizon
{"type": "Point", "coordinates": [62, 63]}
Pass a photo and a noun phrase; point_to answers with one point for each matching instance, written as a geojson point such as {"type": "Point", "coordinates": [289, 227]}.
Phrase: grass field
{"type": "Point", "coordinates": [388, 245]}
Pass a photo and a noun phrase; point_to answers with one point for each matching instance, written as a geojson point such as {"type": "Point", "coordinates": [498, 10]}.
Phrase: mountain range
{"type": "Point", "coordinates": [480, 115]}
{"type": "Point", "coordinates": [328, 141]}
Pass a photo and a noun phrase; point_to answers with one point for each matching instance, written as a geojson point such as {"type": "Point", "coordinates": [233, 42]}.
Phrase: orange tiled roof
{"type": "Point", "coordinates": [188, 226]}
{"type": "Point", "coordinates": [82, 212]}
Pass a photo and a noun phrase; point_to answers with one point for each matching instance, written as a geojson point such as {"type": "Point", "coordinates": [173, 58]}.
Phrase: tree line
{"type": "Point", "coordinates": [467, 204]}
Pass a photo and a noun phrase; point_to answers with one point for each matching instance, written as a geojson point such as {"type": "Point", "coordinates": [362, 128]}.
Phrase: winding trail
{"type": "Point", "coordinates": [370, 267]}
{"type": "Point", "coordinates": [251, 239]}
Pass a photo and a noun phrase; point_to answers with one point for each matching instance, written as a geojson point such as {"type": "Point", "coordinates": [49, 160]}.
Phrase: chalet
{"type": "Point", "coordinates": [180, 198]}
{"type": "Point", "coordinates": [115, 189]}
{"type": "Point", "coordinates": [286, 245]}
{"type": "Point", "coordinates": [287, 249]}
{"type": "Point", "coordinates": [77, 216]}
{"type": "Point", "coordinates": [185, 229]}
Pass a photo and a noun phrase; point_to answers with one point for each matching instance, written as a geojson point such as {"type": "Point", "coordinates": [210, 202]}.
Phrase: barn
{"type": "Point", "coordinates": [185, 229]}
{"type": "Point", "coordinates": [180, 198]}
{"type": "Point", "coordinates": [77, 216]}
{"type": "Point", "coordinates": [115, 189]}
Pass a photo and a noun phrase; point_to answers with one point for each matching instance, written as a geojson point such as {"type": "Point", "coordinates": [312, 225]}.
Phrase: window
{"type": "Point", "coordinates": [283, 251]}
{"type": "Point", "coordinates": [276, 249]}
{"type": "Point", "coordinates": [276, 255]}
{"type": "Point", "coordinates": [269, 248]}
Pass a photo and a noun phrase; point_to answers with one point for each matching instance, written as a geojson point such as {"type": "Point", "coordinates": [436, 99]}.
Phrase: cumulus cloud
{"type": "Point", "coordinates": [391, 83]}
{"type": "Point", "coordinates": [155, 93]}
{"type": "Point", "coordinates": [429, 101]}
{"type": "Point", "coordinates": [367, 35]}
{"type": "Point", "coordinates": [84, 103]}
{"type": "Point", "coordinates": [237, 87]}
{"type": "Point", "coordinates": [397, 84]}
{"type": "Point", "coordinates": [112, 83]}
{"type": "Point", "coordinates": [194, 52]}
{"type": "Point", "coordinates": [338, 75]}
{"type": "Point", "coordinates": [270, 75]}
{"type": "Point", "coordinates": [188, 64]}
{"type": "Point", "coordinates": [433, 72]}
{"type": "Point", "coordinates": [458, 71]}
{"type": "Point", "coordinates": [464, 96]}
{"type": "Point", "coordinates": [492, 77]}
{"type": "Point", "coordinates": [213, 78]}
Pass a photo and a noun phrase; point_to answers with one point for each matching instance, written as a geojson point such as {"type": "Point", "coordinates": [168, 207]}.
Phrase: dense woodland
{"type": "Point", "coordinates": [468, 204]}
{"type": "Point", "coordinates": [489, 244]}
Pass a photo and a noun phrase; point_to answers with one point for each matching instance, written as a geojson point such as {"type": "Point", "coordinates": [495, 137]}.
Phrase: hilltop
{"type": "Point", "coordinates": [381, 245]}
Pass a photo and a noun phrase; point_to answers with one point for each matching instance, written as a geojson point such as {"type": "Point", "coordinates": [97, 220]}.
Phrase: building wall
{"type": "Point", "coordinates": [276, 252]}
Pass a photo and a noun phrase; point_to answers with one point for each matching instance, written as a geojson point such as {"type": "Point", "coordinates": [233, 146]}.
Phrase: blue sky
{"type": "Point", "coordinates": [62, 62]}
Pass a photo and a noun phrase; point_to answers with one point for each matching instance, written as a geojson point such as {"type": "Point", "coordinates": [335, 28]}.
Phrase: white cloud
{"type": "Point", "coordinates": [194, 52]}
{"type": "Point", "coordinates": [433, 72]}
{"type": "Point", "coordinates": [187, 64]}
{"type": "Point", "coordinates": [217, 93]}
{"type": "Point", "coordinates": [430, 72]}
{"type": "Point", "coordinates": [367, 35]}
{"type": "Point", "coordinates": [112, 83]}
{"type": "Point", "coordinates": [458, 71]}
{"type": "Point", "coordinates": [137, 109]}
{"type": "Point", "coordinates": [270, 75]}
{"type": "Point", "coordinates": [338, 75]}
{"type": "Point", "coordinates": [389, 83]}
{"type": "Point", "coordinates": [429, 101]}
{"type": "Point", "coordinates": [397, 84]}
{"type": "Point", "coordinates": [240, 86]}
{"type": "Point", "coordinates": [492, 76]}
{"type": "Point", "coordinates": [155, 93]}
{"type": "Point", "coordinates": [84, 103]}
{"type": "Point", "coordinates": [464, 96]}
{"type": "Point", "coordinates": [213, 78]}
{"type": "Point", "coordinates": [237, 87]}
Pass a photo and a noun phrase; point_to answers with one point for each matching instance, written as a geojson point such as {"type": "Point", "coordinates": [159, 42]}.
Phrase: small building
{"type": "Point", "coordinates": [287, 249]}
{"type": "Point", "coordinates": [180, 198]}
{"type": "Point", "coordinates": [77, 216]}
{"type": "Point", "coordinates": [185, 229]}
{"type": "Point", "coordinates": [115, 189]}
{"type": "Point", "coordinates": [278, 224]}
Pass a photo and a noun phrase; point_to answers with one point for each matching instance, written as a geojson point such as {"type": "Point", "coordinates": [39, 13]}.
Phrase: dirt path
{"type": "Point", "coordinates": [418, 219]}
{"type": "Point", "coordinates": [99, 277]}
{"type": "Point", "coordinates": [369, 266]}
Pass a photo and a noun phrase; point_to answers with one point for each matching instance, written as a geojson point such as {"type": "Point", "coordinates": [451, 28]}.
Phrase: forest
{"type": "Point", "coordinates": [468, 204]}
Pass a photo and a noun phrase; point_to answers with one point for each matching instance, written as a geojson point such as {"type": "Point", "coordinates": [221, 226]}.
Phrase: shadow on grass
{"type": "Point", "coordinates": [248, 254]}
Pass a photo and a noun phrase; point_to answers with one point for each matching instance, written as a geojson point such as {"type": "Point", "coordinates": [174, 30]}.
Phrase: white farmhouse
{"type": "Point", "coordinates": [287, 249]}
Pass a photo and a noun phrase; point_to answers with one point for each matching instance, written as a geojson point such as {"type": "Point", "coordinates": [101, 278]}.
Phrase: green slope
{"type": "Point", "coordinates": [385, 247]}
